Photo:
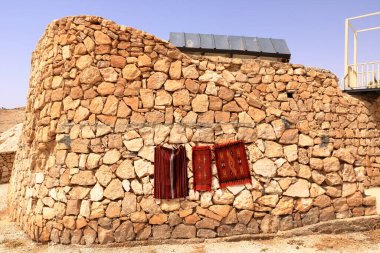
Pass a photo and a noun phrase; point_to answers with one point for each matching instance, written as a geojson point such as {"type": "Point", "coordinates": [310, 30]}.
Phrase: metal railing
{"type": "Point", "coordinates": [363, 75]}
{"type": "Point", "coordinates": [359, 75]}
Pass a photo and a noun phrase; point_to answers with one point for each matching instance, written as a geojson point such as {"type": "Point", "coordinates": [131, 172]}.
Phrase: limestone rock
{"type": "Point", "coordinates": [173, 85]}
{"type": "Point", "coordinates": [298, 189]}
{"type": "Point", "coordinates": [90, 75]}
{"type": "Point", "coordinates": [111, 156]}
{"type": "Point", "coordinates": [200, 103]}
{"type": "Point", "coordinates": [223, 197]}
{"type": "Point", "coordinates": [177, 134]}
{"type": "Point", "coordinates": [134, 145]}
{"type": "Point", "coordinates": [143, 168]}
{"type": "Point", "coordinates": [96, 193]}
{"type": "Point", "coordinates": [244, 201]}
{"type": "Point", "coordinates": [131, 72]}
{"type": "Point", "coordinates": [126, 170]}
{"type": "Point", "coordinates": [264, 167]}
{"type": "Point", "coordinates": [101, 38]}
{"type": "Point", "coordinates": [114, 190]}
{"type": "Point", "coordinates": [156, 80]}
{"type": "Point", "coordinates": [284, 206]}
{"type": "Point", "coordinates": [266, 132]}
{"type": "Point", "coordinates": [184, 231]}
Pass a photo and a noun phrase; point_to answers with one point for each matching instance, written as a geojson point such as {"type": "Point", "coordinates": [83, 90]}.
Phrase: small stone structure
{"type": "Point", "coordinates": [6, 164]}
{"type": "Point", "coordinates": [102, 96]}
{"type": "Point", "coordinates": [8, 147]}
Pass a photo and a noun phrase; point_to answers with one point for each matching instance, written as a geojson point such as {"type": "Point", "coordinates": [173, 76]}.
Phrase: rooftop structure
{"type": "Point", "coordinates": [362, 77]}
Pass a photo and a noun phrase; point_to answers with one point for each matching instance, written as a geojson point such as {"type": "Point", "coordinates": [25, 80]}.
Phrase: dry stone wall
{"type": "Point", "coordinates": [6, 164]}
{"type": "Point", "coordinates": [102, 96]}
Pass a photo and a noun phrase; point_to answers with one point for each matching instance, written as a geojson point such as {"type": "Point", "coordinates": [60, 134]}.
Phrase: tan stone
{"type": "Point", "coordinates": [175, 70]}
{"type": "Point", "coordinates": [290, 136]}
{"type": "Point", "coordinates": [102, 38]}
{"type": "Point", "coordinates": [162, 65]}
{"type": "Point", "coordinates": [83, 178]}
{"type": "Point", "coordinates": [131, 72]}
{"type": "Point", "coordinates": [114, 190]}
{"type": "Point", "coordinates": [264, 167]}
{"type": "Point", "coordinates": [268, 200]}
{"type": "Point", "coordinates": [103, 175]}
{"type": "Point", "coordinates": [158, 219]}
{"type": "Point", "coordinates": [244, 201]}
{"type": "Point", "coordinates": [273, 149]}
{"type": "Point", "coordinates": [344, 155]}
{"type": "Point", "coordinates": [147, 98]}
{"type": "Point", "coordinates": [81, 114]}
{"type": "Point", "coordinates": [190, 72]}
{"type": "Point", "coordinates": [173, 85]}
{"type": "Point", "coordinates": [232, 107]}
{"type": "Point", "coordinates": [181, 97]}
{"type": "Point", "coordinates": [284, 206]}
{"type": "Point", "coordinates": [84, 62]}
{"type": "Point", "coordinates": [298, 189]}
{"type": "Point", "coordinates": [291, 153]}
{"type": "Point", "coordinates": [111, 156]}
{"type": "Point", "coordinates": [111, 105]}
{"type": "Point", "coordinates": [331, 164]}
{"type": "Point", "coordinates": [226, 93]}
{"type": "Point", "coordinates": [303, 204]}
{"type": "Point", "coordinates": [125, 170]}
{"type": "Point", "coordinates": [266, 132]}
{"type": "Point", "coordinates": [109, 74]}
{"type": "Point", "coordinates": [144, 61]}
{"type": "Point", "coordinates": [118, 61]}
{"type": "Point", "coordinates": [90, 75]}
{"type": "Point", "coordinates": [156, 80]}
{"type": "Point", "coordinates": [305, 141]}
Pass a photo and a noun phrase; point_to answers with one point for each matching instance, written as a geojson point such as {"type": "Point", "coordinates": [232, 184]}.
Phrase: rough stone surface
{"type": "Point", "coordinates": [103, 96]}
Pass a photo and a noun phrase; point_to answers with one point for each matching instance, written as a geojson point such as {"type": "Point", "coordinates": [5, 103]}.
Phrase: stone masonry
{"type": "Point", "coordinates": [6, 164]}
{"type": "Point", "coordinates": [102, 96]}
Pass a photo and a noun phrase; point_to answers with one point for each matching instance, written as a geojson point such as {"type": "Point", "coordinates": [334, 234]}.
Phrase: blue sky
{"type": "Point", "coordinates": [313, 29]}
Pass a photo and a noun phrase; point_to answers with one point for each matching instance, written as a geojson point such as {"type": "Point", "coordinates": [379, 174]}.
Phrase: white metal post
{"type": "Point", "coordinates": [345, 78]}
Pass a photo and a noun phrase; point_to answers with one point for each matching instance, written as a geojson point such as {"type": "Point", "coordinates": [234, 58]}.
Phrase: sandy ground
{"type": "Point", "coordinates": [11, 117]}
{"type": "Point", "coordinates": [12, 239]}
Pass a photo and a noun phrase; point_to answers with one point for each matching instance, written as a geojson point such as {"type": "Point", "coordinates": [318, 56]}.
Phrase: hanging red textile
{"type": "Point", "coordinates": [170, 173]}
{"type": "Point", "coordinates": [232, 164]}
{"type": "Point", "coordinates": [202, 168]}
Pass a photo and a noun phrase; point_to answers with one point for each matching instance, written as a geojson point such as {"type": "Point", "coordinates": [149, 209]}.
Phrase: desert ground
{"type": "Point", "coordinates": [12, 240]}
{"type": "Point", "coordinates": [11, 117]}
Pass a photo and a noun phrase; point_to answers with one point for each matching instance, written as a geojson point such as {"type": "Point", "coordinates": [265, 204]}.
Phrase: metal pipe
{"type": "Point", "coordinates": [366, 15]}
{"type": "Point", "coordinates": [368, 29]}
{"type": "Point", "coordinates": [346, 78]}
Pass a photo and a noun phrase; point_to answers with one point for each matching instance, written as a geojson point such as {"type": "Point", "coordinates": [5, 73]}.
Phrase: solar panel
{"type": "Point", "coordinates": [207, 41]}
{"type": "Point", "coordinates": [230, 44]}
{"type": "Point", "coordinates": [280, 46]}
{"type": "Point", "coordinates": [221, 42]}
{"type": "Point", "coordinates": [236, 43]}
{"type": "Point", "coordinates": [266, 45]}
{"type": "Point", "coordinates": [192, 40]}
{"type": "Point", "coordinates": [252, 44]}
{"type": "Point", "coordinates": [177, 39]}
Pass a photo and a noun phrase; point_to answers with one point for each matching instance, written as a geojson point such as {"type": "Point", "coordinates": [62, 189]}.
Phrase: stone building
{"type": "Point", "coordinates": [8, 148]}
{"type": "Point", "coordinates": [102, 96]}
